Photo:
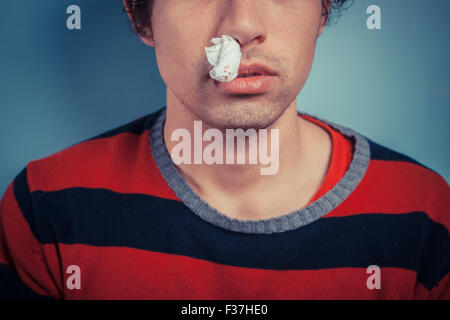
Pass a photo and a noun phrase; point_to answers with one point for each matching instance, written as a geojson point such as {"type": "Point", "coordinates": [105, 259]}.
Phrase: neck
{"type": "Point", "coordinates": [297, 157]}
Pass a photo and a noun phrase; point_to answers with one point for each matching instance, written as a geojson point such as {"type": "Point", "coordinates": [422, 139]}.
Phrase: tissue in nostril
{"type": "Point", "coordinates": [225, 57]}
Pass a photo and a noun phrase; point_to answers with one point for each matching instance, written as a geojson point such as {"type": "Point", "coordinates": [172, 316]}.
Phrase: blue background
{"type": "Point", "coordinates": [58, 87]}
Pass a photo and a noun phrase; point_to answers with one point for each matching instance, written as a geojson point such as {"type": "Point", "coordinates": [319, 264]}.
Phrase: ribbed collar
{"type": "Point", "coordinates": [287, 222]}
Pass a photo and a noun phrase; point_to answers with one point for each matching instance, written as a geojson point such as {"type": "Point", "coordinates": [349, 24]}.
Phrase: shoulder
{"type": "Point", "coordinates": [88, 183]}
{"type": "Point", "coordinates": [421, 197]}
{"type": "Point", "coordinates": [95, 162]}
{"type": "Point", "coordinates": [392, 174]}
{"type": "Point", "coordinates": [391, 165]}
{"type": "Point", "coordinates": [396, 183]}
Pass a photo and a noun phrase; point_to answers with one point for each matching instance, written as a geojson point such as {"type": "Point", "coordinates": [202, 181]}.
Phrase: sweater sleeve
{"type": "Point", "coordinates": [24, 270]}
{"type": "Point", "coordinates": [433, 280]}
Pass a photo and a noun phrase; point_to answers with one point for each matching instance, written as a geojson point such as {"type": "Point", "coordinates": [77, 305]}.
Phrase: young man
{"type": "Point", "coordinates": [115, 217]}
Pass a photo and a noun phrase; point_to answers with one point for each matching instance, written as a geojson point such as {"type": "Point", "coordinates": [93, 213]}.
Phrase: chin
{"type": "Point", "coordinates": [241, 116]}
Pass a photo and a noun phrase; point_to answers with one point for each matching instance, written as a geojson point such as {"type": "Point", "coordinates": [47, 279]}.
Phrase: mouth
{"type": "Point", "coordinates": [254, 70]}
{"type": "Point", "coordinates": [252, 79]}
{"type": "Point", "coordinates": [254, 74]}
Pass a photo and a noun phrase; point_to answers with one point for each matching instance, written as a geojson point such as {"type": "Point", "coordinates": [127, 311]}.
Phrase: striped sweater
{"type": "Point", "coordinates": [114, 212]}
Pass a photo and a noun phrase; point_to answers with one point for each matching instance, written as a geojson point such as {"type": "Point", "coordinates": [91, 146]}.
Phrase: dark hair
{"type": "Point", "coordinates": [140, 13]}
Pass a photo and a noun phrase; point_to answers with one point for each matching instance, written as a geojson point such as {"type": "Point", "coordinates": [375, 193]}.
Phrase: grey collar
{"type": "Point", "coordinates": [287, 222]}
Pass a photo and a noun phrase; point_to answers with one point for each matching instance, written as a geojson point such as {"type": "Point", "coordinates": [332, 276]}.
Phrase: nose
{"type": "Point", "coordinates": [242, 20]}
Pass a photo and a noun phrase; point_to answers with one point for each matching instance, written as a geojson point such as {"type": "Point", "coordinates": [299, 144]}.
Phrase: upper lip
{"type": "Point", "coordinates": [255, 68]}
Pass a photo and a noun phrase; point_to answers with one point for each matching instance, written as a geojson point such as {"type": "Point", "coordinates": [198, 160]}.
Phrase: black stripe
{"type": "Point", "coordinates": [137, 126]}
{"type": "Point", "coordinates": [12, 288]}
{"type": "Point", "coordinates": [379, 152]}
{"type": "Point", "coordinates": [23, 198]}
{"type": "Point", "coordinates": [105, 218]}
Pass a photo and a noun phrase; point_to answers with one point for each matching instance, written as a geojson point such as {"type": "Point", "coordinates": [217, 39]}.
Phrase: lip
{"type": "Point", "coordinates": [249, 85]}
{"type": "Point", "coordinates": [256, 68]}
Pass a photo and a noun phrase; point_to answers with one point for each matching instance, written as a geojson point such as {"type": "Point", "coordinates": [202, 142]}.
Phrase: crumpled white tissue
{"type": "Point", "coordinates": [225, 57]}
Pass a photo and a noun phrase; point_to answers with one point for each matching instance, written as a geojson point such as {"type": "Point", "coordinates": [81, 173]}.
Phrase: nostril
{"type": "Point", "coordinates": [237, 40]}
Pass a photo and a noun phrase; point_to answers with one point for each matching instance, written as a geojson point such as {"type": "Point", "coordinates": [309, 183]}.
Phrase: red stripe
{"type": "Point", "coordinates": [21, 251]}
{"type": "Point", "coordinates": [395, 187]}
{"type": "Point", "coordinates": [126, 273]}
{"type": "Point", "coordinates": [122, 163]}
{"type": "Point", "coordinates": [341, 156]}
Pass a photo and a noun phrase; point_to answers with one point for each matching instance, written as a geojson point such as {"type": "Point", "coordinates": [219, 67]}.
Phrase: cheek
{"type": "Point", "coordinates": [179, 43]}
{"type": "Point", "coordinates": [296, 39]}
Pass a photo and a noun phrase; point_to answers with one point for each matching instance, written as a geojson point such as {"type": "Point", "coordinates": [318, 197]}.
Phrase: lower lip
{"type": "Point", "coordinates": [246, 85]}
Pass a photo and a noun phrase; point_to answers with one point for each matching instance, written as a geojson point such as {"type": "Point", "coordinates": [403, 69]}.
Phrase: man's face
{"type": "Point", "coordinates": [279, 34]}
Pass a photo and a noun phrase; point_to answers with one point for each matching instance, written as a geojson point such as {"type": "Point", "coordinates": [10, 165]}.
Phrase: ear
{"type": "Point", "coordinates": [323, 22]}
{"type": "Point", "coordinates": [148, 40]}
{"type": "Point", "coordinates": [324, 18]}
